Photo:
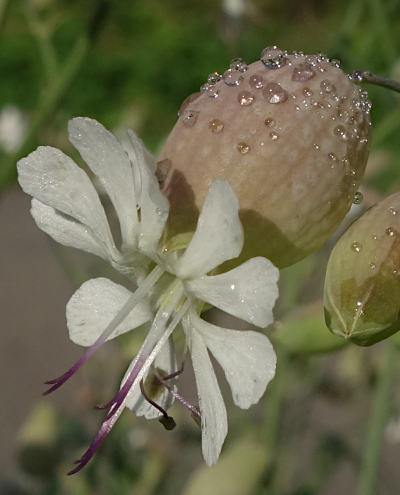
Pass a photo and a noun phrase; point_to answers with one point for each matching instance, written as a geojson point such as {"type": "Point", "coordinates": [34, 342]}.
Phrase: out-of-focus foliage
{"type": "Point", "coordinates": [131, 63]}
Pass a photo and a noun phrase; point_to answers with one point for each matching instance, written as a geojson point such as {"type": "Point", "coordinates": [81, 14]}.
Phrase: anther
{"type": "Point", "coordinates": [167, 421]}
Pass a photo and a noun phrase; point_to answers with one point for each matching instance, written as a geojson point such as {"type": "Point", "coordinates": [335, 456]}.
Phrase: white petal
{"type": "Point", "coordinates": [107, 159]}
{"type": "Point", "coordinates": [166, 361]}
{"type": "Point", "coordinates": [249, 291]}
{"type": "Point", "coordinates": [65, 230]}
{"type": "Point", "coordinates": [247, 358]}
{"type": "Point", "coordinates": [94, 305]}
{"type": "Point", "coordinates": [214, 425]}
{"type": "Point", "coordinates": [218, 236]}
{"type": "Point", "coordinates": [54, 179]}
{"type": "Point", "coordinates": [154, 206]}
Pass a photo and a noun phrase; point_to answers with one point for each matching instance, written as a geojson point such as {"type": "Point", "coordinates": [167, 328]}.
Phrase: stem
{"type": "Point", "coordinates": [377, 423]}
{"type": "Point", "coordinates": [46, 106]}
{"type": "Point", "coordinates": [370, 78]}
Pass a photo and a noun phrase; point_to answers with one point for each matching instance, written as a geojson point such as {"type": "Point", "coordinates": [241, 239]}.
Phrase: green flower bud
{"type": "Point", "coordinates": [290, 133]}
{"type": "Point", "coordinates": [362, 286]}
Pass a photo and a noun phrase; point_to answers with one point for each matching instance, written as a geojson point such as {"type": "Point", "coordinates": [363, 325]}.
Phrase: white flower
{"type": "Point", "coordinates": [67, 207]}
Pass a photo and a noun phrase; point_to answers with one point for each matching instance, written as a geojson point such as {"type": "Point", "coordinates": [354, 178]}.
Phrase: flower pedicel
{"type": "Point", "coordinates": [173, 282]}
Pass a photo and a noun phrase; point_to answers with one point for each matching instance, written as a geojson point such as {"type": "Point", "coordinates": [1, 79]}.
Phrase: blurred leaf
{"type": "Point", "coordinates": [237, 472]}
{"type": "Point", "coordinates": [305, 332]}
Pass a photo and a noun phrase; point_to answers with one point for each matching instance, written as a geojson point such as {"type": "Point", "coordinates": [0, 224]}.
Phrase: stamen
{"type": "Point", "coordinates": [133, 300]}
{"type": "Point", "coordinates": [150, 348]}
{"type": "Point", "coordinates": [133, 378]}
{"type": "Point", "coordinates": [104, 430]}
{"type": "Point", "coordinates": [184, 402]}
{"type": "Point", "coordinates": [167, 421]}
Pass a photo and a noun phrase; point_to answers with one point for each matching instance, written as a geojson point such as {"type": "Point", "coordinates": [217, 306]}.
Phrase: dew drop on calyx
{"type": "Point", "coordinates": [245, 98]}
{"type": "Point", "coordinates": [238, 64]}
{"type": "Point", "coordinates": [256, 82]}
{"type": "Point", "coordinates": [232, 77]}
{"type": "Point", "coordinates": [243, 148]}
{"type": "Point", "coordinates": [216, 126]}
{"type": "Point", "coordinates": [269, 122]}
{"type": "Point", "coordinates": [327, 87]}
{"type": "Point", "coordinates": [273, 57]}
{"type": "Point", "coordinates": [274, 93]}
{"type": "Point", "coordinates": [356, 247]}
{"type": "Point", "coordinates": [390, 232]}
{"type": "Point", "coordinates": [274, 136]}
{"type": "Point", "coordinates": [186, 102]}
{"type": "Point", "coordinates": [393, 211]}
{"type": "Point", "coordinates": [210, 90]}
{"type": "Point", "coordinates": [213, 78]}
{"type": "Point", "coordinates": [189, 117]}
{"type": "Point", "coordinates": [302, 72]}
{"type": "Point", "coordinates": [340, 132]}
{"type": "Point", "coordinates": [358, 198]}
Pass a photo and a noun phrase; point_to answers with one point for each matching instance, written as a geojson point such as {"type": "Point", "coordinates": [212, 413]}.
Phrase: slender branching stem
{"type": "Point", "coordinates": [377, 422]}
{"type": "Point", "coordinates": [370, 78]}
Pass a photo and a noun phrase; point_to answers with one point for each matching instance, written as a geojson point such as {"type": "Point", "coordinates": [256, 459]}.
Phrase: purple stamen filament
{"type": "Point", "coordinates": [184, 402]}
{"type": "Point", "coordinates": [142, 364]}
{"type": "Point", "coordinates": [129, 305]}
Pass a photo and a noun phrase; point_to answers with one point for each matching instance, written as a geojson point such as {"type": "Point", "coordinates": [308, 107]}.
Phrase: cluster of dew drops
{"type": "Point", "coordinates": [274, 58]}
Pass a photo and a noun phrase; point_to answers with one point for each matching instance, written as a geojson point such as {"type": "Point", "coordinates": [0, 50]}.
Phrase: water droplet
{"type": "Point", "coordinates": [390, 232]}
{"type": "Point", "coordinates": [358, 198]}
{"type": "Point", "coordinates": [269, 122]}
{"type": "Point", "coordinates": [256, 82]}
{"type": "Point", "coordinates": [216, 126]}
{"type": "Point", "coordinates": [327, 87]}
{"type": "Point", "coordinates": [186, 102]}
{"type": "Point", "coordinates": [243, 148]}
{"type": "Point", "coordinates": [274, 136]}
{"type": "Point", "coordinates": [363, 141]}
{"type": "Point", "coordinates": [273, 58]}
{"type": "Point", "coordinates": [209, 90]}
{"type": "Point", "coordinates": [233, 286]}
{"type": "Point", "coordinates": [393, 211]}
{"type": "Point", "coordinates": [341, 132]}
{"type": "Point", "coordinates": [189, 118]}
{"type": "Point", "coordinates": [375, 237]}
{"type": "Point", "coordinates": [159, 211]}
{"type": "Point", "coordinates": [274, 93]}
{"type": "Point", "coordinates": [232, 77]}
{"type": "Point", "coordinates": [372, 266]}
{"type": "Point", "coordinates": [395, 272]}
{"type": "Point", "coordinates": [297, 108]}
{"type": "Point", "coordinates": [332, 157]}
{"type": "Point", "coordinates": [307, 92]}
{"type": "Point", "coordinates": [356, 247]}
{"type": "Point", "coordinates": [238, 64]}
{"type": "Point", "coordinates": [302, 72]}
{"type": "Point", "coordinates": [245, 98]}
{"type": "Point", "coordinates": [213, 78]}
{"type": "Point", "coordinates": [335, 63]}
{"type": "Point", "coordinates": [316, 146]}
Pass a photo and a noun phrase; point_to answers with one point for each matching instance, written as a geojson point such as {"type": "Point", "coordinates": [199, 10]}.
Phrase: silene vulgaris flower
{"type": "Point", "coordinates": [175, 279]}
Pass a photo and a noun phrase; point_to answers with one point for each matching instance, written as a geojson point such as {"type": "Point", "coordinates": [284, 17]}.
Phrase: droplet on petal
{"type": "Point", "coordinates": [327, 87]}
{"type": "Point", "coordinates": [358, 198]}
{"type": "Point", "coordinates": [186, 102]}
{"type": "Point", "coordinates": [238, 64]}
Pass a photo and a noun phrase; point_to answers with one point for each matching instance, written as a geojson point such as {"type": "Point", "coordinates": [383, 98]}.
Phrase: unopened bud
{"type": "Point", "coordinates": [290, 133]}
{"type": "Point", "coordinates": [362, 286]}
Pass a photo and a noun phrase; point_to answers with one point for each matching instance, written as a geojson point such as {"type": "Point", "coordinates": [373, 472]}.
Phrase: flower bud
{"type": "Point", "coordinates": [362, 286]}
{"type": "Point", "coordinates": [290, 133]}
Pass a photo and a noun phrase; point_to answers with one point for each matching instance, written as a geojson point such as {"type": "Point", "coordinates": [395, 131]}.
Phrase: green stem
{"type": "Point", "coordinates": [50, 98]}
{"type": "Point", "coordinates": [378, 420]}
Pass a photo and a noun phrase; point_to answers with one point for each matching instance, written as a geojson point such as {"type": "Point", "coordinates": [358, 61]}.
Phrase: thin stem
{"type": "Point", "coordinates": [370, 78]}
{"type": "Point", "coordinates": [377, 423]}
{"type": "Point", "coordinates": [46, 106]}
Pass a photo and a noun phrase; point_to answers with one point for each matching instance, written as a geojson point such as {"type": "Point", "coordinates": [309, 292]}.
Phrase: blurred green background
{"type": "Point", "coordinates": [130, 64]}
